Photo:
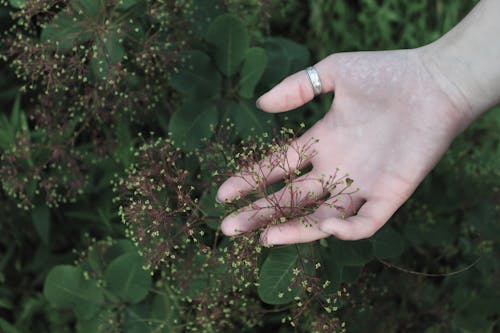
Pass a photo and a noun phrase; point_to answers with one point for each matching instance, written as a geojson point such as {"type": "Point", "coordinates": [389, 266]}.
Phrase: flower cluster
{"type": "Point", "coordinates": [257, 162]}
{"type": "Point", "coordinates": [215, 277]}
{"type": "Point", "coordinates": [156, 202]}
{"type": "Point", "coordinates": [83, 67]}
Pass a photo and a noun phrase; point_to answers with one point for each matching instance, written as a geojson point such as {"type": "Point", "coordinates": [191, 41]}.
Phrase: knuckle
{"type": "Point", "coordinates": [305, 91]}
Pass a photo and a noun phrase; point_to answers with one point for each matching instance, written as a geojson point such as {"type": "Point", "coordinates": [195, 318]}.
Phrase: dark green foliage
{"type": "Point", "coordinates": [134, 109]}
{"type": "Point", "coordinates": [192, 123]}
{"type": "Point", "coordinates": [229, 38]}
{"type": "Point", "coordinates": [197, 77]}
{"type": "Point", "coordinates": [276, 276]}
{"type": "Point", "coordinates": [339, 26]}
{"type": "Point", "coordinates": [66, 287]}
{"type": "Point", "coordinates": [127, 279]}
{"type": "Point", "coordinates": [387, 243]}
{"type": "Point", "coordinates": [253, 68]}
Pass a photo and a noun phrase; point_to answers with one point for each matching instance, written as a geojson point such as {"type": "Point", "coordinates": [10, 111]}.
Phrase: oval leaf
{"type": "Point", "coordinates": [253, 68]}
{"type": "Point", "coordinates": [276, 276]}
{"type": "Point", "coordinates": [93, 324]}
{"type": "Point", "coordinates": [108, 52]}
{"type": "Point", "coordinates": [230, 40]}
{"type": "Point", "coordinates": [247, 119]}
{"type": "Point", "coordinates": [126, 278]}
{"type": "Point", "coordinates": [203, 13]}
{"type": "Point", "coordinates": [197, 76]}
{"type": "Point", "coordinates": [163, 309]}
{"type": "Point", "coordinates": [70, 26]}
{"type": "Point", "coordinates": [211, 207]}
{"type": "Point", "coordinates": [92, 8]}
{"type": "Point", "coordinates": [191, 124]}
{"type": "Point", "coordinates": [66, 287]}
{"type": "Point", "coordinates": [350, 253]}
{"type": "Point", "coordinates": [284, 57]}
{"type": "Point", "coordinates": [387, 243]}
{"type": "Point", "coordinates": [64, 31]}
{"type": "Point", "coordinates": [331, 271]}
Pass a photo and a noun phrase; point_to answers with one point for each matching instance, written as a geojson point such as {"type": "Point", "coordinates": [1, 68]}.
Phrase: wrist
{"type": "Point", "coordinates": [452, 77]}
{"type": "Point", "coordinates": [464, 62]}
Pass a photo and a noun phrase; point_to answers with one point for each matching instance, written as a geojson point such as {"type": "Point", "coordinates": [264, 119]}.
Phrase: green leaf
{"type": "Point", "coordinates": [211, 208]}
{"type": "Point", "coordinates": [136, 318]}
{"type": "Point", "coordinates": [164, 310]}
{"type": "Point", "coordinates": [41, 220]}
{"type": "Point", "coordinates": [350, 253]}
{"type": "Point", "coordinates": [66, 287]}
{"type": "Point", "coordinates": [126, 4]}
{"type": "Point", "coordinates": [351, 273]}
{"type": "Point", "coordinates": [91, 8]}
{"type": "Point", "coordinates": [64, 31]}
{"type": "Point", "coordinates": [71, 26]}
{"type": "Point", "coordinates": [121, 246]}
{"type": "Point", "coordinates": [193, 123]}
{"type": "Point", "coordinates": [126, 278]}
{"type": "Point", "coordinates": [204, 276]}
{"type": "Point", "coordinates": [17, 3]}
{"type": "Point", "coordinates": [230, 40]}
{"type": "Point", "coordinates": [197, 76]}
{"type": "Point", "coordinates": [284, 58]}
{"type": "Point", "coordinates": [247, 119]}
{"type": "Point", "coordinates": [109, 52]}
{"type": "Point", "coordinates": [276, 276]}
{"type": "Point", "coordinates": [331, 270]}
{"type": "Point", "coordinates": [387, 243]}
{"type": "Point", "coordinates": [6, 327]}
{"type": "Point", "coordinates": [203, 13]}
{"type": "Point", "coordinates": [91, 325]}
{"type": "Point", "coordinates": [253, 68]}
{"type": "Point", "coordinates": [112, 47]}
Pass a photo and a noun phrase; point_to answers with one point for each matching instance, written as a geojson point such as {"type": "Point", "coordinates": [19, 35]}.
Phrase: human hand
{"type": "Point", "coordinates": [391, 120]}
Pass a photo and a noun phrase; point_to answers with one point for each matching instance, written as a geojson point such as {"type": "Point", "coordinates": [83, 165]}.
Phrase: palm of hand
{"type": "Point", "coordinates": [388, 126]}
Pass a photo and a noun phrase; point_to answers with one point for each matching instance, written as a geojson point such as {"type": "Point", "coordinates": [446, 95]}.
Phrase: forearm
{"type": "Point", "coordinates": [466, 61]}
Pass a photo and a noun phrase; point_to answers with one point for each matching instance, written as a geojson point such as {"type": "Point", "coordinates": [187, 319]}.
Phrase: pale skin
{"type": "Point", "coordinates": [393, 116]}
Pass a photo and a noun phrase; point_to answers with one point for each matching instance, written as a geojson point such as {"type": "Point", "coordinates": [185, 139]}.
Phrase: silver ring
{"type": "Point", "coordinates": [315, 81]}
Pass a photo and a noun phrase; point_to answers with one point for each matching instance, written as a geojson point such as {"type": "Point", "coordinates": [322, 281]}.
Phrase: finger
{"type": "Point", "coordinates": [290, 200]}
{"type": "Point", "coordinates": [286, 161]}
{"type": "Point", "coordinates": [371, 217]}
{"type": "Point", "coordinates": [306, 229]}
{"type": "Point", "coordinates": [296, 90]}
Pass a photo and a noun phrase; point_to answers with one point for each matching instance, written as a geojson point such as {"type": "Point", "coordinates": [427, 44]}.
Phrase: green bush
{"type": "Point", "coordinates": [119, 120]}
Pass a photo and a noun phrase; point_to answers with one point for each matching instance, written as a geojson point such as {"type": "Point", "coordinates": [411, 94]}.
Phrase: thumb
{"type": "Point", "coordinates": [296, 90]}
{"type": "Point", "coordinates": [370, 218]}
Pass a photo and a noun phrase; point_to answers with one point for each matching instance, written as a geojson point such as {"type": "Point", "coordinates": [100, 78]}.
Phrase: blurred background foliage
{"type": "Point", "coordinates": [80, 80]}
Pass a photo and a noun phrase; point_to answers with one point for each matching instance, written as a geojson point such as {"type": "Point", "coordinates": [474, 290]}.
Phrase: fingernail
{"type": "Point", "coordinates": [257, 104]}
{"type": "Point", "coordinates": [217, 200]}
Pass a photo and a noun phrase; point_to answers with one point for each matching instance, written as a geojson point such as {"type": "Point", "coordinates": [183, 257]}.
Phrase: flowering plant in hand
{"type": "Point", "coordinates": [173, 230]}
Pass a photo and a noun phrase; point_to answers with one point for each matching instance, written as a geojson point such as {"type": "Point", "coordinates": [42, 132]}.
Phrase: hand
{"type": "Point", "coordinates": [389, 124]}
